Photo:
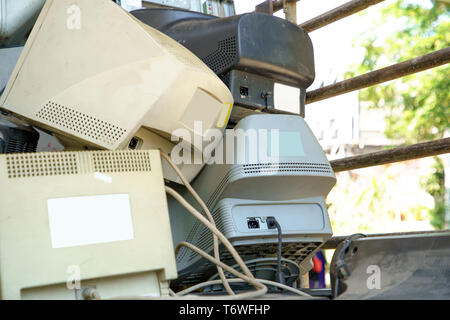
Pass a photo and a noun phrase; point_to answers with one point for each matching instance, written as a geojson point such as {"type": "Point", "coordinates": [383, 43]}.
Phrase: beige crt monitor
{"type": "Point", "coordinates": [94, 75]}
{"type": "Point", "coordinates": [99, 217]}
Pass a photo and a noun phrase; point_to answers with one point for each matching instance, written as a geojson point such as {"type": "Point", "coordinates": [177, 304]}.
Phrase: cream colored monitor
{"type": "Point", "coordinates": [97, 217]}
{"type": "Point", "coordinates": [94, 75]}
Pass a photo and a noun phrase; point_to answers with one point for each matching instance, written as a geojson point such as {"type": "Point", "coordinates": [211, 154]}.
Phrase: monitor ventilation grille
{"type": "Point", "coordinates": [82, 124]}
{"type": "Point", "coordinates": [41, 164]}
{"type": "Point", "coordinates": [125, 161]}
{"type": "Point", "coordinates": [20, 145]}
{"type": "Point", "coordinates": [303, 167]}
{"type": "Point", "coordinates": [225, 55]}
{"type": "Point", "coordinates": [295, 251]}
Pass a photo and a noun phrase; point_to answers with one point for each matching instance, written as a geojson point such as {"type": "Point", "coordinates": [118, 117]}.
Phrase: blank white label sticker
{"type": "Point", "coordinates": [78, 221]}
{"type": "Point", "coordinates": [286, 98]}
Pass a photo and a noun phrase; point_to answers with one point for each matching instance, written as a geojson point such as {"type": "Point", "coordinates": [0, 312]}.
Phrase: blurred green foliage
{"type": "Point", "coordinates": [418, 106]}
{"type": "Point", "coordinates": [433, 185]}
{"type": "Point", "coordinates": [377, 200]}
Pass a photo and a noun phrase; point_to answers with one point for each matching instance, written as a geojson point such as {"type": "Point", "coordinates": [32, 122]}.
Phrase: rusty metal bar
{"type": "Point", "coordinates": [345, 10]}
{"type": "Point", "coordinates": [392, 72]}
{"type": "Point", "coordinates": [277, 5]}
{"type": "Point", "coordinates": [414, 151]}
{"type": "Point", "coordinates": [335, 241]}
{"type": "Point", "coordinates": [266, 7]}
{"type": "Point", "coordinates": [336, 14]}
{"type": "Point", "coordinates": [271, 6]}
{"type": "Point", "coordinates": [291, 11]}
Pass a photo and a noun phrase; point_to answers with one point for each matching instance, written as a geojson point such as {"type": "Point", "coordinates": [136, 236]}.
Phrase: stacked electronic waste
{"type": "Point", "coordinates": [124, 96]}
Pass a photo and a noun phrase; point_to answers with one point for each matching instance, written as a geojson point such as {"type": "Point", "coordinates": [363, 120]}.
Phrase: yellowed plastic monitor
{"type": "Point", "coordinates": [77, 220]}
{"type": "Point", "coordinates": [94, 75]}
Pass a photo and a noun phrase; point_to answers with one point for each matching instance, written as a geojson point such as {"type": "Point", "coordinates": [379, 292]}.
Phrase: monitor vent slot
{"type": "Point", "coordinates": [300, 167]}
{"type": "Point", "coordinates": [81, 124]}
{"type": "Point", "coordinates": [225, 55]}
{"type": "Point", "coordinates": [19, 145]}
{"type": "Point", "coordinates": [203, 238]}
{"type": "Point", "coordinates": [125, 161]}
{"type": "Point", "coordinates": [41, 164]}
{"type": "Point", "coordinates": [192, 234]}
{"type": "Point", "coordinates": [295, 251]}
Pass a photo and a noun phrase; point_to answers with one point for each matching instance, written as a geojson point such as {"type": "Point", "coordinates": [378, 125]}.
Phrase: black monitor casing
{"type": "Point", "coordinates": [250, 52]}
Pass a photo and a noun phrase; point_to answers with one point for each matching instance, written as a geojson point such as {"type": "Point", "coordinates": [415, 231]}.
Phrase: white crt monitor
{"type": "Point", "coordinates": [78, 220]}
{"type": "Point", "coordinates": [275, 167]}
{"type": "Point", "coordinates": [94, 76]}
{"type": "Point", "coordinates": [266, 157]}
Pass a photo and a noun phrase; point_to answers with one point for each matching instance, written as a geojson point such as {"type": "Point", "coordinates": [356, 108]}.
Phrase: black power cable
{"type": "Point", "coordinates": [272, 223]}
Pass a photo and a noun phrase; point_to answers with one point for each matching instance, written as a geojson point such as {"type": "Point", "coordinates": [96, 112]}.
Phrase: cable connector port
{"type": "Point", "coordinates": [135, 143]}
{"type": "Point", "coordinates": [253, 223]}
{"type": "Point", "coordinates": [271, 223]}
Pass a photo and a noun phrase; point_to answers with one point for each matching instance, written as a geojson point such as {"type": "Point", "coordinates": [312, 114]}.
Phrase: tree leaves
{"type": "Point", "coordinates": [418, 106]}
